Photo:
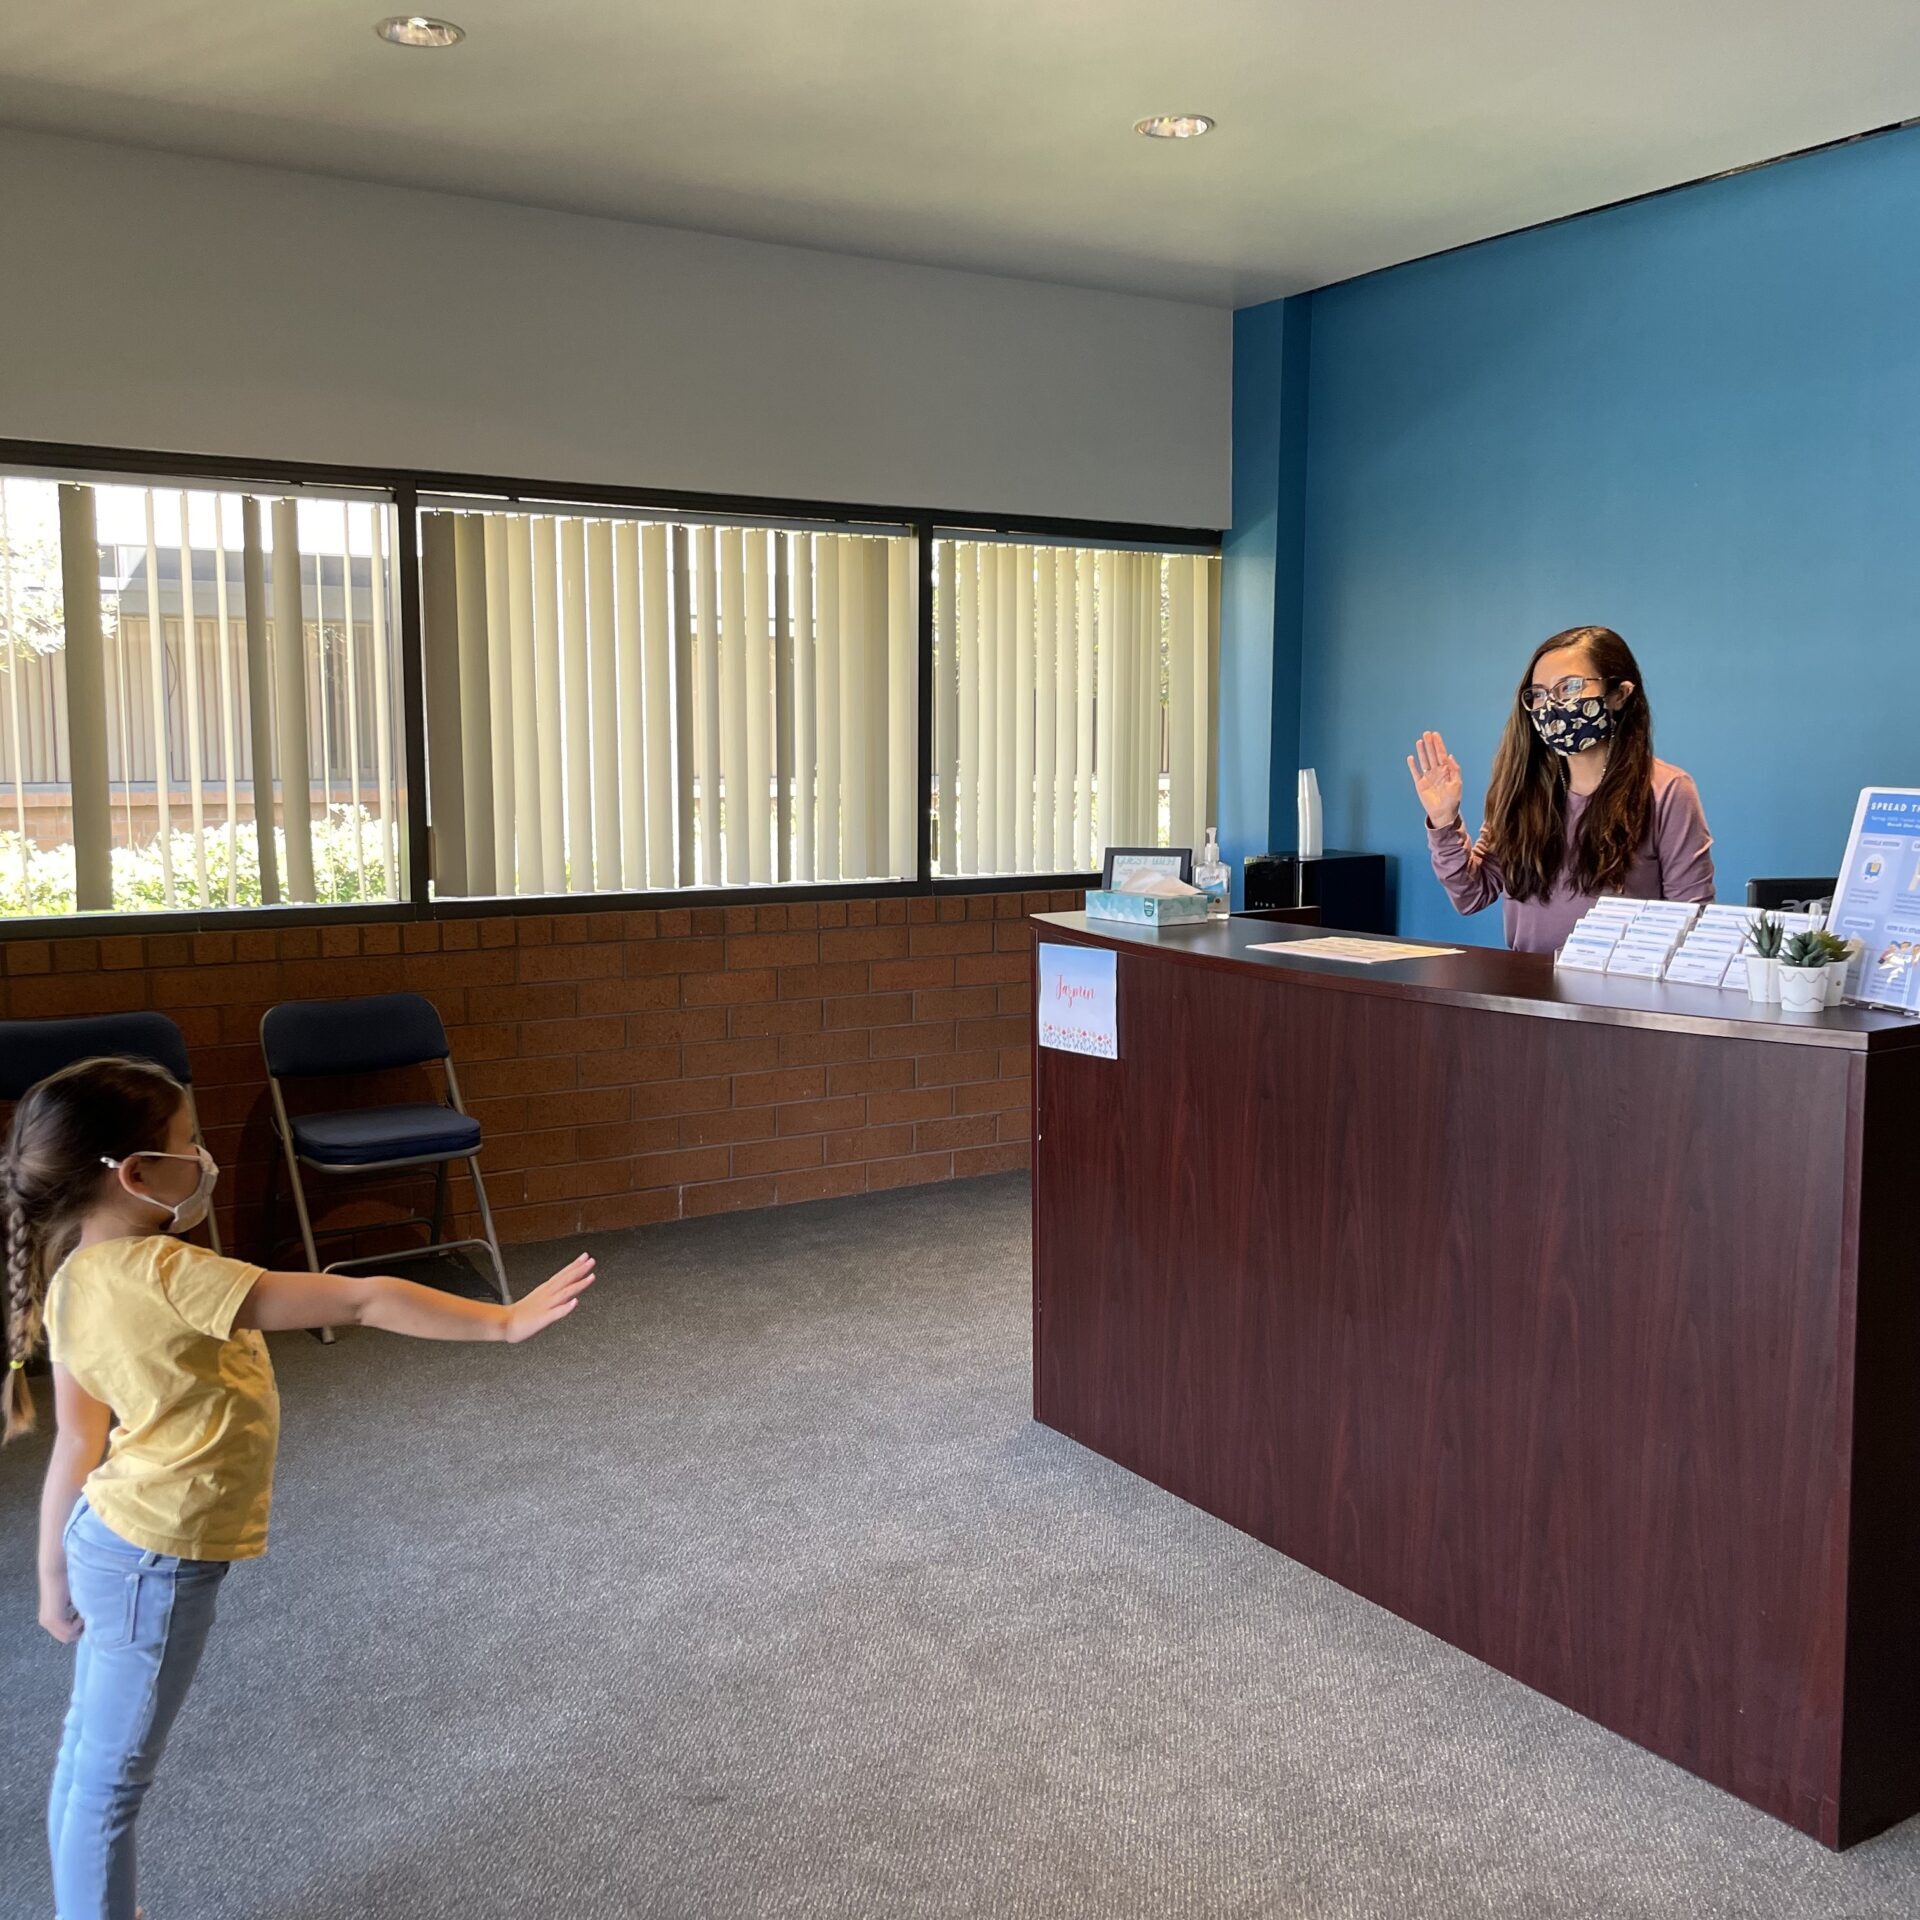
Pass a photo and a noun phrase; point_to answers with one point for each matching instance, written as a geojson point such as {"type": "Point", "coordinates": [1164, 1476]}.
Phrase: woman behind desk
{"type": "Point", "coordinates": [1577, 807]}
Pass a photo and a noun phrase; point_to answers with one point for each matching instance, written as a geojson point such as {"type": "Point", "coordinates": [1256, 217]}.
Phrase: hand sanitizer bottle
{"type": "Point", "coordinates": [1210, 874]}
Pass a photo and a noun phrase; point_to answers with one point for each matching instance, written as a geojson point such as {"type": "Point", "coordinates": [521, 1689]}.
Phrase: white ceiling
{"type": "Point", "coordinates": [995, 134]}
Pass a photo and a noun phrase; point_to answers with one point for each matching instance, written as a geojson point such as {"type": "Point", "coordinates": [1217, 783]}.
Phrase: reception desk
{"type": "Point", "coordinates": [1576, 1321]}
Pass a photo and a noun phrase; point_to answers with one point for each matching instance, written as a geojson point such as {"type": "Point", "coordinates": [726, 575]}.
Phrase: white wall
{"type": "Point", "coordinates": [192, 305]}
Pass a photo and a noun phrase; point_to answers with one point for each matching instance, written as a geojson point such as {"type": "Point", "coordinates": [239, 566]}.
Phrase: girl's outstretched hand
{"type": "Point", "coordinates": [550, 1301]}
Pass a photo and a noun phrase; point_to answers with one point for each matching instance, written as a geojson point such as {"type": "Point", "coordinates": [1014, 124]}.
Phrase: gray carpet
{"type": "Point", "coordinates": [754, 1590]}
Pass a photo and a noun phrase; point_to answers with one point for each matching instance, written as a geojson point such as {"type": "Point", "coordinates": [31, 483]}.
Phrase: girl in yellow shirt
{"type": "Point", "coordinates": [162, 1468]}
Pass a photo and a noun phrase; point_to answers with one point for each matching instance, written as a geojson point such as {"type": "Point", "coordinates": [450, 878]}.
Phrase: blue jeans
{"type": "Point", "coordinates": [146, 1617]}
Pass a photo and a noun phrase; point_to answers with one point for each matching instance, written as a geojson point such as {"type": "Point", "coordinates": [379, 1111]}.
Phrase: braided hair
{"type": "Point", "coordinates": [50, 1174]}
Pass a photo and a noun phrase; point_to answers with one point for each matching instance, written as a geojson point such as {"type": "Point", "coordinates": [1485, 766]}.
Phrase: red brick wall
{"type": "Point", "coordinates": [626, 1067]}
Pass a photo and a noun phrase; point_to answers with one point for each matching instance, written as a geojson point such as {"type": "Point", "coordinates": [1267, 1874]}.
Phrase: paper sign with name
{"type": "Point", "coordinates": [1079, 1003]}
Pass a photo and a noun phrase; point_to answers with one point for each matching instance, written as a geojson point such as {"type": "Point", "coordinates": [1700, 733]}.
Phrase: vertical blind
{"type": "Point", "coordinates": [614, 703]}
{"type": "Point", "coordinates": [1074, 703]}
{"type": "Point", "coordinates": [165, 653]}
{"type": "Point", "coordinates": [626, 705]}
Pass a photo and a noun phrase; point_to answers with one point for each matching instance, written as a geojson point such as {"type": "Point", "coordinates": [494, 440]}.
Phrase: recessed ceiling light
{"type": "Point", "coordinates": [1174, 126]}
{"type": "Point", "coordinates": [418, 30]}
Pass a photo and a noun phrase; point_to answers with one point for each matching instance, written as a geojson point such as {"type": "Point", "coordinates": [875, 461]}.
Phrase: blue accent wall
{"type": "Point", "coordinates": [1696, 419]}
{"type": "Point", "coordinates": [1289, 573]}
{"type": "Point", "coordinates": [1260, 573]}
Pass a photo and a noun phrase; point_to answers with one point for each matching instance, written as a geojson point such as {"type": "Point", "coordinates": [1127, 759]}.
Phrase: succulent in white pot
{"type": "Point", "coordinates": [1841, 954]}
{"type": "Point", "coordinates": [1803, 974]}
{"type": "Point", "coordinates": [1764, 937]}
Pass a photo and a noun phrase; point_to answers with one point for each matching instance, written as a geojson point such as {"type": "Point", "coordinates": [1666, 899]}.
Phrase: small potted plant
{"type": "Point", "coordinates": [1841, 954]}
{"type": "Point", "coordinates": [1803, 974]}
{"type": "Point", "coordinates": [1763, 956]}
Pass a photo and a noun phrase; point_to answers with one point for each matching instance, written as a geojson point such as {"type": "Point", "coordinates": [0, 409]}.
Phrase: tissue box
{"type": "Point", "coordinates": [1147, 909]}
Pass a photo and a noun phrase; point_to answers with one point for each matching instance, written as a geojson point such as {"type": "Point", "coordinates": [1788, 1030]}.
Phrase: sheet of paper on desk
{"type": "Point", "coordinates": [1334, 947]}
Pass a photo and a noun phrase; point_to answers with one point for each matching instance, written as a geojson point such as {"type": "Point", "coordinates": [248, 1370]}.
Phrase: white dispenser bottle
{"type": "Point", "coordinates": [1210, 874]}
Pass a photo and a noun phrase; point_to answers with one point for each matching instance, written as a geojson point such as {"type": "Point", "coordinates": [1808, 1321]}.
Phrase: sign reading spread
{"type": "Point", "coordinates": [1078, 1011]}
{"type": "Point", "coordinates": [1877, 901]}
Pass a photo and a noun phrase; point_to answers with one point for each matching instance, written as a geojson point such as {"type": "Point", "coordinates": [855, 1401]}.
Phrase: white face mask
{"type": "Point", "coordinates": [193, 1209]}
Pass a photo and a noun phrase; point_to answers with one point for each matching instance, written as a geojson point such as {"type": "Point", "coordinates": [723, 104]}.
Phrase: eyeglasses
{"type": "Point", "coordinates": [1562, 692]}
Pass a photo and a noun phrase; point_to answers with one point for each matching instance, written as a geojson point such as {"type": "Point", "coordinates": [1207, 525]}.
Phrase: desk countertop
{"type": "Point", "coordinates": [1484, 977]}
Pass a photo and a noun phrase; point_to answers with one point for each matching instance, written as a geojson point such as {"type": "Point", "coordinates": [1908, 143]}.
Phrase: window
{"type": "Point", "coordinates": [205, 686]}
{"type": "Point", "coordinates": [175, 662]}
{"type": "Point", "coordinates": [1074, 697]}
{"type": "Point", "coordinates": [619, 704]}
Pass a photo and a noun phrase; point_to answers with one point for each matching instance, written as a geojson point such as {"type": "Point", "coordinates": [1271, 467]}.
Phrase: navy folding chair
{"type": "Point", "coordinates": [305, 1039]}
{"type": "Point", "coordinates": [32, 1049]}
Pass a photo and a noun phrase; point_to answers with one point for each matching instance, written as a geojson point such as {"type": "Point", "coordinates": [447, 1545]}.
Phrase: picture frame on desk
{"type": "Point", "coordinates": [1121, 862]}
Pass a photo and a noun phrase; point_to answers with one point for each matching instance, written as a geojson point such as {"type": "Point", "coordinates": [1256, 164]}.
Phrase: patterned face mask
{"type": "Point", "coordinates": [1572, 726]}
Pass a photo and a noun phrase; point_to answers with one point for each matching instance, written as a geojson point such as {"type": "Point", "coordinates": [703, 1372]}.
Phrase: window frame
{"type": "Point", "coordinates": [1159, 541]}
{"type": "Point", "coordinates": [407, 485]}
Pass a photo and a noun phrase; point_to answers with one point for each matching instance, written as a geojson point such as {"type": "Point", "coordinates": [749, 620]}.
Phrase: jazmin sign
{"type": "Point", "coordinates": [1078, 1009]}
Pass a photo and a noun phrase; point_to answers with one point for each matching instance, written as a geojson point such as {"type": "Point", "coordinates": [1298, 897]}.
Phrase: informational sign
{"type": "Point", "coordinates": [1079, 1008]}
{"type": "Point", "coordinates": [1333, 946]}
{"type": "Point", "coordinates": [1878, 899]}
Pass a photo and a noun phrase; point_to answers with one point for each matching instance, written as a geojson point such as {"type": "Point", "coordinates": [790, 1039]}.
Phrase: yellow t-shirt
{"type": "Point", "coordinates": [146, 1326]}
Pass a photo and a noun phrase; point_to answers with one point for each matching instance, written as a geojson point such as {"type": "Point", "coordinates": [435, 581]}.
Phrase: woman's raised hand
{"type": "Point", "coordinates": [1436, 779]}
{"type": "Point", "coordinates": [552, 1300]}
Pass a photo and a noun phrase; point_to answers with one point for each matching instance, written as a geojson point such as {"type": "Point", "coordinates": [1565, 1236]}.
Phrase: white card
{"type": "Point", "coordinates": [1697, 969]}
{"type": "Point", "coordinates": [1583, 959]}
{"type": "Point", "coordinates": [1639, 964]}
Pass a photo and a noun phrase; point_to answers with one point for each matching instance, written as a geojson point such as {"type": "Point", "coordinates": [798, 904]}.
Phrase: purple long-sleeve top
{"type": "Point", "coordinates": [1674, 861]}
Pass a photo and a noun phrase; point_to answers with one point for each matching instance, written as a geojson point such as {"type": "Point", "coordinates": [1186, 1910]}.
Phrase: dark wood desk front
{"type": "Point", "coordinates": [1576, 1321]}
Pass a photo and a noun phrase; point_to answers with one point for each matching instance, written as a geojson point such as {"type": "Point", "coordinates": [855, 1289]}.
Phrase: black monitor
{"type": "Point", "coordinates": [1792, 896]}
{"type": "Point", "coordinates": [1350, 889]}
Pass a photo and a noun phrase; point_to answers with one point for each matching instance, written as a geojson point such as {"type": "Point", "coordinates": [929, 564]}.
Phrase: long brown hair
{"type": "Point", "coordinates": [1526, 816]}
{"type": "Point", "coordinates": [49, 1175]}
